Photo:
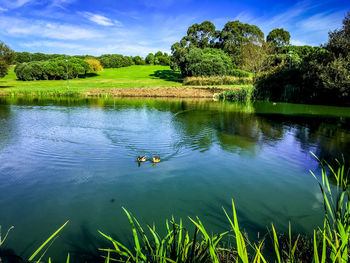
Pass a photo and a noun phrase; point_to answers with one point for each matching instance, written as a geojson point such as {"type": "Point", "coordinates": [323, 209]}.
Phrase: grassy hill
{"type": "Point", "coordinates": [133, 76]}
{"type": "Point", "coordinates": [154, 81]}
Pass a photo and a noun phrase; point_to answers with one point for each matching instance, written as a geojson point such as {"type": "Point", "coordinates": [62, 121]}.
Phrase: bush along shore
{"type": "Point", "coordinates": [329, 243]}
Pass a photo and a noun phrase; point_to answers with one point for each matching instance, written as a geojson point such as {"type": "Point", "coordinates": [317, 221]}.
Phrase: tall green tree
{"type": "Point", "coordinates": [278, 37]}
{"type": "Point", "coordinates": [150, 59]}
{"type": "Point", "coordinates": [235, 35]}
{"type": "Point", "coordinates": [7, 57]}
{"type": "Point", "coordinates": [255, 58]}
{"type": "Point", "coordinates": [202, 35]}
{"type": "Point", "coordinates": [339, 40]}
{"type": "Point", "coordinates": [178, 51]}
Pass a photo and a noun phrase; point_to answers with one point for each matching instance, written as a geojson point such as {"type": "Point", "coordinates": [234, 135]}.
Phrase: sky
{"type": "Point", "coordinates": [138, 27]}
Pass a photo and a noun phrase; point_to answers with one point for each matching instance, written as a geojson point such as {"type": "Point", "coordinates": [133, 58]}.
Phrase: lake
{"type": "Point", "coordinates": [76, 159]}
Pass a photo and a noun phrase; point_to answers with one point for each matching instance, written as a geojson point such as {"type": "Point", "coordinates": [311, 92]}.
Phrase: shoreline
{"type": "Point", "coordinates": [161, 92]}
{"type": "Point", "coordinates": [151, 92]}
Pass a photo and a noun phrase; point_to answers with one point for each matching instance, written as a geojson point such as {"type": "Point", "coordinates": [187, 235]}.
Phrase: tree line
{"type": "Point", "coordinates": [217, 52]}
{"type": "Point", "coordinates": [316, 75]}
{"type": "Point", "coordinates": [53, 69]}
{"type": "Point", "coordinates": [40, 66]}
{"type": "Point", "coordinates": [107, 60]}
{"type": "Point", "coordinates": [281, 71]}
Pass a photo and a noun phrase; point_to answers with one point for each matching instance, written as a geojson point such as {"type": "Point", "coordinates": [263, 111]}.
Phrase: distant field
{"type": "Point", "coordinates": [133, 76]}
{"type": "Point", "coordinates": [150, 78]}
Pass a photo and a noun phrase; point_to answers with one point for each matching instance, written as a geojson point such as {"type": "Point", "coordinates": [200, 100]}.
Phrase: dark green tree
{"type": "Point", "coordinates": [23, 57]}
{"type": "Point", "coordinates": [235, 35]}
{"type": "Point", "coordinates": [278, 37]}
{"type": "Point", "coordinates": [7, 58]}
{"type": "Point", "coordinates": [150, 59]}
{"type": "Point", "coordinates": [178, 51]}
{"type": "Point", "coordinates": [339, 40]}
{"type": "Point", "coordinates": [114, 61]}
{"type": "Point", "coordinates": [205, 62]}
{"type": "Point", "coordinates": [138, 60]}
{"type": "Point", "coordinates": [202, 35]}
{"type": "Point", "coordinates": [161, 59]}
{"type": "Point", "coordinates": [52, 69]}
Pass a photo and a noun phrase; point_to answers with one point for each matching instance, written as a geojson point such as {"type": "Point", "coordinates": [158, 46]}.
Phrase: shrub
{"type": "Point", "coordinates": [240, 73]}
{"type": "Point", "coordinates": [52, 69]}
{"type": "Point", "coordinates": [138, 60]}
{"type": "Point", "coordinates": [114, 61]}
{"type": "Point", "coordinates": [280, 85]}
{"type": "Point", "coordinates": [205, 62]}
{"type": "Point", "coordinates": [94, 64]}
{"type": "Point", "coordinates": [217, 80]}
{"type": "Point", "coordinates": [238, 94]}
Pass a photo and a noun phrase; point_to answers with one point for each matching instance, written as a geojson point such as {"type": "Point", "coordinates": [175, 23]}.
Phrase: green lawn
{"type": "Point", "coordinates": [133, 76]}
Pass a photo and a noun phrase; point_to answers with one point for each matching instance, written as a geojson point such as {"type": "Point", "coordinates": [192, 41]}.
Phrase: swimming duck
{"type": "Point", "coordinates": [141, 159]}
{"type": "Point", "coordinates": [156, 159]}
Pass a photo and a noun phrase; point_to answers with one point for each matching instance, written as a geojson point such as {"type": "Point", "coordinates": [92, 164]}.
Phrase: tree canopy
{"type": "Point", "coordinates": [231, 39]}
{"type": "Point", "coordinates": [7, 57]}
{"type": "Point", "coordinates": [202, 35]}
{"type": "Point", "coordinates": [205, 62]}
{"type": "Point", "coordinates": [339, 40]}
{"type": "Point", "coordinates": [158, 58]}
{"type": "Point", "coordinates": [235, 35]}
{"type": "Point", "coordinates": [278, 37]}
{"type": "Point", "coordinates": [52, 69]}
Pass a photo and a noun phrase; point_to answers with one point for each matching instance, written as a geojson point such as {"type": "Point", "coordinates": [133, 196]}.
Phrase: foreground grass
{"type": "Point", "coordinates": [329, 243]}
{"type": "Point", "coordinates": [98, 84]}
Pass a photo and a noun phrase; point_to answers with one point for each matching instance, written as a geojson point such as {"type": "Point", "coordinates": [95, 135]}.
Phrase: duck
{"type": "Point", "coordinates": [142, 158]}
{"type": "Point", "coordinates": [156, 159]}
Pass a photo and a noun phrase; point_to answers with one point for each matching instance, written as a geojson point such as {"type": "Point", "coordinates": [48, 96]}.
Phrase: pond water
{"type": "Point", "coordinates": [75, 159]}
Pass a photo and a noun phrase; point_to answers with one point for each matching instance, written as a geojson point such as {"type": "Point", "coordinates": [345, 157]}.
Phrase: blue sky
{"type": "Point", "coordinates": [138, 27]}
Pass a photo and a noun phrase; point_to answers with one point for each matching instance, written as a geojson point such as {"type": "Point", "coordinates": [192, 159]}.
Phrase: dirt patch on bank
{"type": "Point", "coordinates": [174, 92]}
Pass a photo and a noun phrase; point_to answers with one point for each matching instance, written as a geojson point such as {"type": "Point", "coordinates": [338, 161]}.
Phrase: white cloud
{"type": "Point", "coordinates": [24, 27]}
{"type": "Point", "coordinates": [12, 4]}
{"type": "Point", "coordinates": [74, 48]}
{"type": "Point", "coordinates": [298, 42]}
{"type": "Point", "coordinates": [3, 9]}
{"type": "Point", "coordinates": [101, 20]}
{"type": "Point", "coordinates": [51, 44]}
{"type": "Point", "coordinates": [305, 29]}
{"type": "Point", "coordinates": [321, 22]}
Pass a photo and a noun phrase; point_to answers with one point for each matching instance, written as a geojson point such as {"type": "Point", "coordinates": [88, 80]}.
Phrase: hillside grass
{"type": "Point", "coordinates": [133, 76]}
{"type": "Point", "coordinates": [147, 76]}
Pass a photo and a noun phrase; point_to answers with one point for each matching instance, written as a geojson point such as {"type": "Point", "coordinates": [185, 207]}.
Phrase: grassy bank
{"type": "Point", "coordinates": [109, 81]}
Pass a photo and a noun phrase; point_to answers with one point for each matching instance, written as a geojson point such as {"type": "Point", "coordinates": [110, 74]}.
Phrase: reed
{"type": "Point", "coordinates": [336, 229]}
{"type": "Point", "coordinates": [240, 94]}
{"type": "Point", "coordinates": [217, 80]}
{"type": "Point", "coordinates": [175, 246]}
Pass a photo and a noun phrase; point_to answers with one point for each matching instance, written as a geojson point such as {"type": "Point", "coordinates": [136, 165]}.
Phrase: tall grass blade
{"type": "Point", "coordinates": [47, 241]}
{"type": "Point", "coordinates": [240, 243]}
{"type": "Point", "coordinates": [2, 240]}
